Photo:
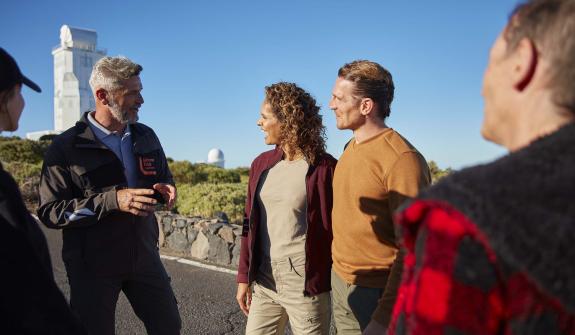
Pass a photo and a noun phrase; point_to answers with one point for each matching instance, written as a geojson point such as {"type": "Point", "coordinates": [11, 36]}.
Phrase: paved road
{"type": "Point", "coordinates": [206, 298]}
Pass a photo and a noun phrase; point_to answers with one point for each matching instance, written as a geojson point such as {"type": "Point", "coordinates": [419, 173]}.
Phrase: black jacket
{"type": "Point", "coordinates": [30, 300]}
{"type": "Point", "coordinates": [78, 187]}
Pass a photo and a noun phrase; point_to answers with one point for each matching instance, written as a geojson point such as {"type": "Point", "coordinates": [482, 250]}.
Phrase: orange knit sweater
{"type": "Point", "coordinates": [372, 179]}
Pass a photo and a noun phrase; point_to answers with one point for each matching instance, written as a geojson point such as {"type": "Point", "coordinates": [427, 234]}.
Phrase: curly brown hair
{"type": "Point", "coordinates": [301, 127]}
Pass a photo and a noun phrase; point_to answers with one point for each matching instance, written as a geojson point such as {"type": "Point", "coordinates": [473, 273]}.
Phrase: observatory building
{"type": "Point", "coordinates": [216, 157]}
{"type": "Point", "coordinates": [73, 62]}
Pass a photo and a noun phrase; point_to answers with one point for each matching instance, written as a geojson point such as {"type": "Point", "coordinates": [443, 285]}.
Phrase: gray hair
{"type": "Point", "coordinates": [550, 25]}
{"type": "Point", "coordinates": [109, 72]}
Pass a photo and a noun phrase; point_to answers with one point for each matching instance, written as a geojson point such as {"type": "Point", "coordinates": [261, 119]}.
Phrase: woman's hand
{"type": "Point", "coordinates": [244, 297]}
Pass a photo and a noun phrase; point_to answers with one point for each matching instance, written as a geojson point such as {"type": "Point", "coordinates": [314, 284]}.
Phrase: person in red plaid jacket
{"type": "Point", "coordinates": [490, 249]}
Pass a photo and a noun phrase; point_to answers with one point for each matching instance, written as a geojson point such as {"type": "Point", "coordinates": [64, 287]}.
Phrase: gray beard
{"type": "Point", "coordinates": [121, 117]}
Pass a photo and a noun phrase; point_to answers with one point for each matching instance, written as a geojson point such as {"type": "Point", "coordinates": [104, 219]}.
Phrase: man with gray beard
{"type": "Point", "coordinates": [100, 183]}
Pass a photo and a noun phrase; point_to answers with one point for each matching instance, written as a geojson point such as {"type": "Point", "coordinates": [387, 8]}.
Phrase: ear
{"type": "Point", "coordinates": [366, 106]}
{"type": "Point", "coordinates": [526, 61]}
{"type": "Point", "coordinates": [102, 96]}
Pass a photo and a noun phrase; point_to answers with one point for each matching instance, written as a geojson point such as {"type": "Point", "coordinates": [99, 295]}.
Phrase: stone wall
{"type": "Point", "coordinates": [212, 240]}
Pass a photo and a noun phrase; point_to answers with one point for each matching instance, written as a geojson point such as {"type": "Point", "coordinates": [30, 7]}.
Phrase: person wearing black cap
{"type": "Point", "coordinates": [11, 101]}
{"type": "Point", "coordinates": [30, 301]}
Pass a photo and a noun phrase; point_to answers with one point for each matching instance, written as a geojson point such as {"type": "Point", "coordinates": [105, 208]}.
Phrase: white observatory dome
{"type": "Point", "coordinates": [216, 157]}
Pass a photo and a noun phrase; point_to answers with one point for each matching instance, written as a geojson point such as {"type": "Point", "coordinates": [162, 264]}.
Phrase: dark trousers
{"type": "Point", "coordinates": [150, 294]}
{"type": "Point", "coordinates": [352, 305]}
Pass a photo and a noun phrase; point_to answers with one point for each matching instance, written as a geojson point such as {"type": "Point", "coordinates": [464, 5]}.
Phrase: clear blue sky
{"type": "Point", "coordinates": [206, 64]}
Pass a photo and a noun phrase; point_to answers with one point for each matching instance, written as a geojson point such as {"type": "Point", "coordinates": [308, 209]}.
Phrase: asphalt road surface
{"type": "Point", "coordinates": [206, 298]}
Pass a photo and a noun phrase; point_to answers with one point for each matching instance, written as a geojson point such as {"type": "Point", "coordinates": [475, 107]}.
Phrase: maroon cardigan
{"type": "Point", "coordinates": [319, 235]}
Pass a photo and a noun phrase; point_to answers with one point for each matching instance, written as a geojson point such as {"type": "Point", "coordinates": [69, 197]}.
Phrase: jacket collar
{"type": "Point", "coordinates": [143, 141]}
{"type": "Point", "coordinates": [272, 157]}
{"type": "Point", "coordinates": [524, 204]}
{"type": "Point", "coordinates": [276, 156]}
{"type": "Point", "coordinates": [85, 137]}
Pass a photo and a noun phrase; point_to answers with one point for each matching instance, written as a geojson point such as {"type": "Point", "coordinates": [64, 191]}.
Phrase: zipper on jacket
{"type": "Point", "coordinates": [134, 246]}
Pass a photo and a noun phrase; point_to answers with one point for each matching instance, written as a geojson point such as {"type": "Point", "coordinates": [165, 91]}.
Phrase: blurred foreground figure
{"type": "Point", "coordinates": [490, 249]}
{"type": "Point", "coordinates": [30, 300]}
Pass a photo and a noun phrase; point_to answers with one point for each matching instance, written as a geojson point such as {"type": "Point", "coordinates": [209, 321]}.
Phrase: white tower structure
{"type": "Point", "coordinates": [73, 62]}
{"type": "Point", "coordinates": [216, 157]}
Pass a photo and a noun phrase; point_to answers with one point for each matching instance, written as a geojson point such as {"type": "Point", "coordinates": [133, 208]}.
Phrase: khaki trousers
{"type": "Point", "coordinates": [280, 298]}
{"type": "Point", "coordinates": [352, 305]}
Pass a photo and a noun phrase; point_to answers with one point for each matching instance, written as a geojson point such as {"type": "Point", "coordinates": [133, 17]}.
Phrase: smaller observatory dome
{"type": "Point", "coordinates": [216, 157]}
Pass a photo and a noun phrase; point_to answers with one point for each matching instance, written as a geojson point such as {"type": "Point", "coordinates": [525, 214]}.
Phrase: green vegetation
{"type": "Point", "coordinates": [244, 173]}
{"type": "Point", "coordinates": [23, 160]}
{"type": "Point", "coordinates": [202, 189]}
{"type": "Point", "coordinates": [185, 172]}
{"type": "Point", "coordinates": [23, 171]}
{"type": "Point", "coordinates": [205, 199]}
{"type": "Point", "coordinates": [205, 189]}
{"type": "Point", "coordinates": [437, 173]}
{"type": "Point", "coordinates": [14, 149]}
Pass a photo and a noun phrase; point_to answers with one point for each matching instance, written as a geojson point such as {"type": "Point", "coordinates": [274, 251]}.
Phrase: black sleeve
{"type": "Point", "coordinates": [30, 300]}
{"type": "Point", "coordinates": [60, 206]}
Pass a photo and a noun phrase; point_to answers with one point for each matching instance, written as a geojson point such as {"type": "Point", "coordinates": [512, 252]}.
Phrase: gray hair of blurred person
{"type": "Point", "coordinates": [550, 26]}
{"type": "Point", "coordinates": [109, 72]}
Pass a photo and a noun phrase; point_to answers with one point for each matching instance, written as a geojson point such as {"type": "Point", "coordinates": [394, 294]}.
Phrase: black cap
{"type": "Point", "coordinates": [10, 74]}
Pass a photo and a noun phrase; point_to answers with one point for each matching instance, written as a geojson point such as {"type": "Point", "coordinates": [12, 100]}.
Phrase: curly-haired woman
{"type": "Point", "coordinates": [285, 260]}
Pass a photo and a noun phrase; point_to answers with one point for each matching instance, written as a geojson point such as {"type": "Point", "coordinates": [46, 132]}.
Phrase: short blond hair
{"type": "Point", "coordinates": [371, 81]}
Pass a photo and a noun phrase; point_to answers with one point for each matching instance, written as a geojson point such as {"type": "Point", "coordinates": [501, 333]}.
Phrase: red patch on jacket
{"type": "Point", "coordinates": [147, 166]}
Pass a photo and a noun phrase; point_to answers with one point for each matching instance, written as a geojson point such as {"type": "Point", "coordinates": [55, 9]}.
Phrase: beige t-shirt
{"type": "Point", "coordinates": [282, 199]}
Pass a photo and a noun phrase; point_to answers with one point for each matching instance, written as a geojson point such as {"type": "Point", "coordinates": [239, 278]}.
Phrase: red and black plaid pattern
{"type": "Point", "coordinates": [453, 282]}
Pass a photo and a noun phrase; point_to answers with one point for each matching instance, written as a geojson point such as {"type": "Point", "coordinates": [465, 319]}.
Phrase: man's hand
{"type": "Point", "coordinates": [168, 191]}
{"type": "Point", "coordinates": [374, 328]}
{"type": "Point", "coordinates": [137, 201]}
{"type": "Point", "coordinates": [244, 297]}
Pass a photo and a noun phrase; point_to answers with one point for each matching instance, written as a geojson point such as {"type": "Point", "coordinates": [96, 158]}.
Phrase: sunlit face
{"type": "Point", "coordinates": [497, 91]}
{"type": "Point", "coordinates": [125, 103]}
{"type": "Point", "coordinates": [270, 125]}
{"type": "Point", "coordinates": [345, 105]}
{"type": "Point", "coordinates": [14, 108]}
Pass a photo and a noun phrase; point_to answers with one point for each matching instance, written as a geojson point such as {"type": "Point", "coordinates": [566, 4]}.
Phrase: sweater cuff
{"type": "Point", "coordinates": [111, 200]}
{"type": "Point", "coordinates": [242, 278]}
{"type": "Point", "coordinates": [381, 315]}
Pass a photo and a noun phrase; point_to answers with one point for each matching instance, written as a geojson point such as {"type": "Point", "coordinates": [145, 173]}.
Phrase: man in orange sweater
{"type": "Point", "coordinates": [376, 173]}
